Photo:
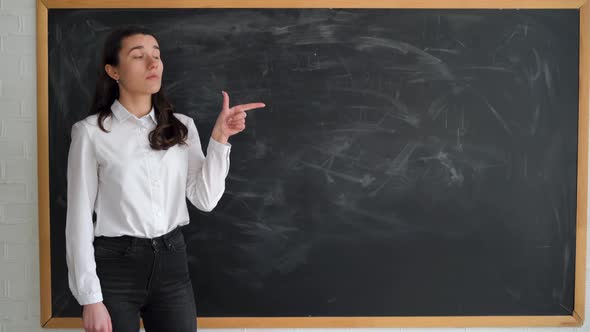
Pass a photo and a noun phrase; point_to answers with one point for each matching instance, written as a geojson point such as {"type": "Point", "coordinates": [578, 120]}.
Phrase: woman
{"type": "Point", "coordinates": [133, 161]}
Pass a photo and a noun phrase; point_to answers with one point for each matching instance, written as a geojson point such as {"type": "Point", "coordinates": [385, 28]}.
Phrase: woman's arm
{"type": "Point", "coordinates": [82, 183]}
{"type": "Point", "coordinates": [205, 182]}
{"type": "Point", "coordinates": [206, 176]}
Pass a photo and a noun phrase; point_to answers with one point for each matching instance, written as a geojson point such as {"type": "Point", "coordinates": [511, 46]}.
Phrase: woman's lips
{"type": "Point", "coordinates": [152, 77]}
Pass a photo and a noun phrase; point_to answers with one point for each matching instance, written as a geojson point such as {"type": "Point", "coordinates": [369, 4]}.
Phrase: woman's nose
{"type": "Point", "coordinates": [153, 62]}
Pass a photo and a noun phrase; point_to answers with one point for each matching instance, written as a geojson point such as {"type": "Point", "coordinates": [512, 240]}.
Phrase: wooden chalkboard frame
{"type": "Point", "coordinates": [576, 319]}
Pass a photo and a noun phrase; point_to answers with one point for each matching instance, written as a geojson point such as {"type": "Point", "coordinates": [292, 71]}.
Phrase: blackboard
{"type": "Point", "coordinates": [409, 162]}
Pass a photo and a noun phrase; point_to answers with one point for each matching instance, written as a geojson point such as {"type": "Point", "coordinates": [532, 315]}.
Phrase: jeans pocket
{"type": "Point", "coordinates": [110, 250]}
{"type": "Point", "coordinates": [179, 247]}
{"type": "Point", "coordinates": [178, 243]}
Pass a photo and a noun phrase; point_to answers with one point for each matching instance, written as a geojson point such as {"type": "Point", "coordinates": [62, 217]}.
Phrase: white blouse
{"type": "Point", "coordinates": [133, 189]}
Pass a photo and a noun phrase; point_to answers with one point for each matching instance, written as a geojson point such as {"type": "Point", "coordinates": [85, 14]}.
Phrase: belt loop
{"type": "Point", "coordinates": [133, 243]}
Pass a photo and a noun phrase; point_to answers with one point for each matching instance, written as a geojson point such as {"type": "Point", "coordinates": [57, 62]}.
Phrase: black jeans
{"type": "Point", "coordinates": [146, 278]}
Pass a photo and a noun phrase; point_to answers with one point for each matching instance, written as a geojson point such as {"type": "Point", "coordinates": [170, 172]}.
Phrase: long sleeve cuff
{"type": "Point", "coordinates": [222, 151]}
{"type": "Point", "coordinates": [218, 145]}
{"type": "Point", "coordinates": [88, 298]}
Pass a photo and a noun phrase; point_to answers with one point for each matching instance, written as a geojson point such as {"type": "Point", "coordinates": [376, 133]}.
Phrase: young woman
{"type": "Point", "coordinates": [133, 161]}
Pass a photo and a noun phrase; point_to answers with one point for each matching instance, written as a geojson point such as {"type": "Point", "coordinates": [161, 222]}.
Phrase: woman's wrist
{"type": "Point", "coordinates": [92, 304]}
{"type": "Point", "coordinates": [218, 136]}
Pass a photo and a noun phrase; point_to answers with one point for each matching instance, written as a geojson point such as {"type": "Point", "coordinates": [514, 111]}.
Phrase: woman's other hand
{"type": "Point", "coordinates": [96, 318]}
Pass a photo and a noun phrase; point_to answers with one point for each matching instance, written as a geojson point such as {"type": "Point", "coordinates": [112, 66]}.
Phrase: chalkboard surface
{"type": "Point", "coordinates": [408, 162]}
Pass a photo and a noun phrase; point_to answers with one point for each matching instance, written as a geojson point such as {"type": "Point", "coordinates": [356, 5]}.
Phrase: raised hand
{"type": "Point", "coordinates": [231, 120]}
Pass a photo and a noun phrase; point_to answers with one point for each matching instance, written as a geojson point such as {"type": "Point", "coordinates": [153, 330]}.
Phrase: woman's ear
{"type": "Point", "coordinates": [111, 71]}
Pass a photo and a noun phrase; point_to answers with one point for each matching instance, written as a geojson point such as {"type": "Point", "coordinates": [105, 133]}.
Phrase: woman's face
{"type": "Point", "coordinates": [140, 66]}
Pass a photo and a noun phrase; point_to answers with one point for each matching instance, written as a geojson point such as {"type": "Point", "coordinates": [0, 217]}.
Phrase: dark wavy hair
{"type": "Point", "coordinates": [169, 130]}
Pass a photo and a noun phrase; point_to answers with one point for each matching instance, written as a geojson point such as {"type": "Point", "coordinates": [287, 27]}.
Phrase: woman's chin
{"type": "Point", "coordinates": [154, 89]}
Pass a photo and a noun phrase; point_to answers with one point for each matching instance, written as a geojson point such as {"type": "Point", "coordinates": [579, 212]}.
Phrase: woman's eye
{"type": "Point", "coordinates": [141, 56]}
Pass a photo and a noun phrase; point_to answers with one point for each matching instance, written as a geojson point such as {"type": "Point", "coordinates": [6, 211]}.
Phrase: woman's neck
{"type": "Point", "coordinates": [139, 105]}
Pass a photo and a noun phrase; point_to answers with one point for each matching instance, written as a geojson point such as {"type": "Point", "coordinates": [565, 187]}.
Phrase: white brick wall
{"type": "Point", "coordinates": [19, 258]}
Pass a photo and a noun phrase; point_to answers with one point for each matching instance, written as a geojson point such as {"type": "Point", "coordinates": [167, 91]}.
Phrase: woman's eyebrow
{"type": "Point", "coordinates": [140, 46]}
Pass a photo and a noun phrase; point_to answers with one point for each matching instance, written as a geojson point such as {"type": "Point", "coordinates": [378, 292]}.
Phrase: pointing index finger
{"type": "Point", "coordinates": [247, 107]}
